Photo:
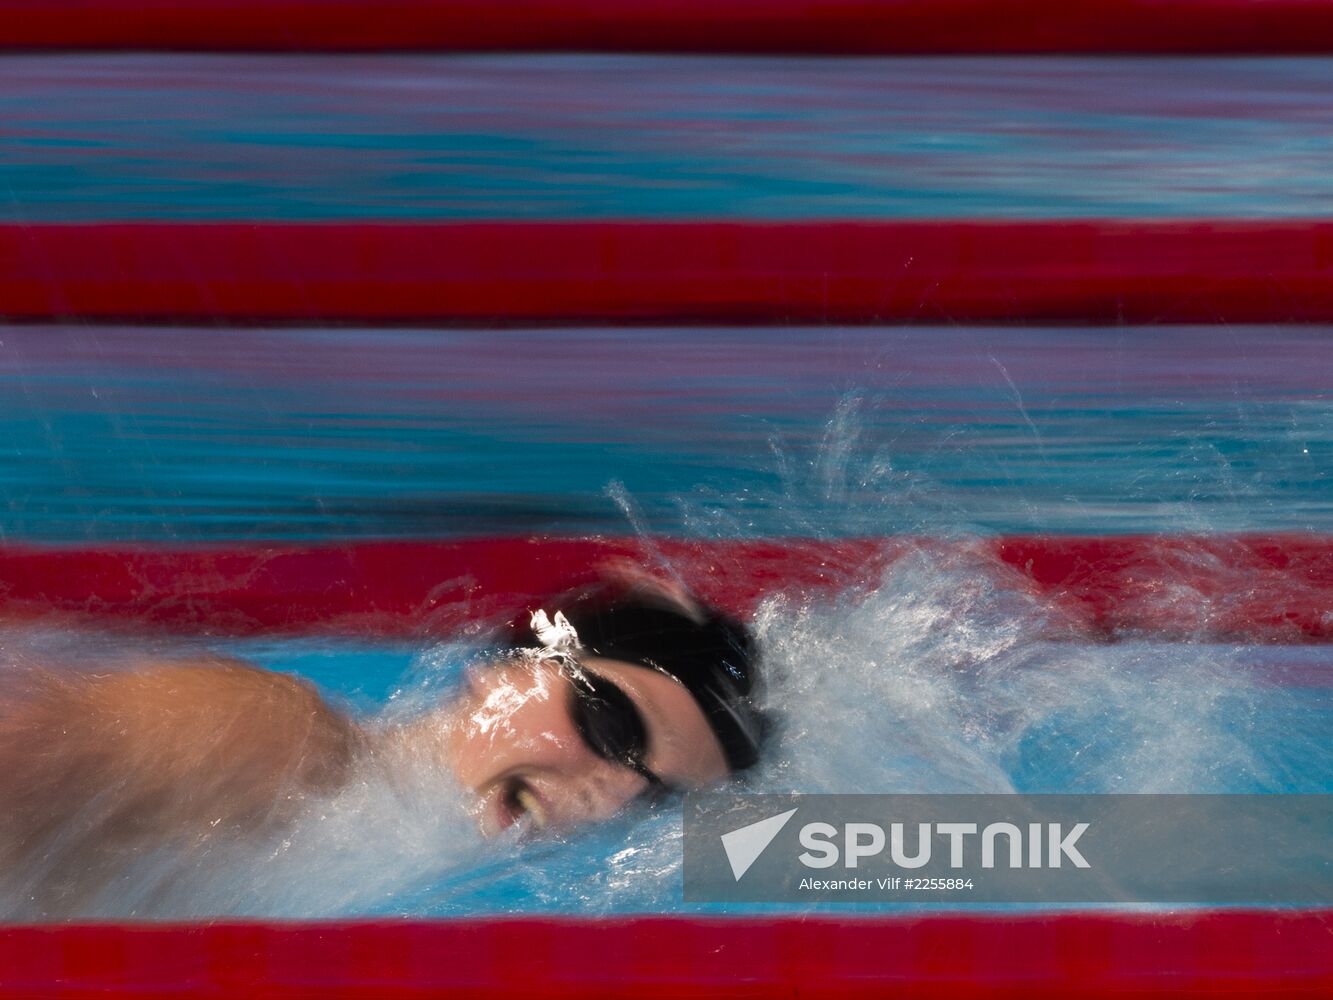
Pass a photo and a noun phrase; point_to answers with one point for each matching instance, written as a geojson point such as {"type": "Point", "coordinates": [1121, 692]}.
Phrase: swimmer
{"type": "Point", "coordinates": [599, 699]}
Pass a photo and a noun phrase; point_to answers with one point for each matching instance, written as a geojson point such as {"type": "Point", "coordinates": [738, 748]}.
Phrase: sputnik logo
{"type": "Point", "coordinates": [744, 845]}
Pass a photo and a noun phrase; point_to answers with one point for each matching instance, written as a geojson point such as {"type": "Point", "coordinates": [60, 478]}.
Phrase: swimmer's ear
{"type": "Point", "coordinates": [656, 586]}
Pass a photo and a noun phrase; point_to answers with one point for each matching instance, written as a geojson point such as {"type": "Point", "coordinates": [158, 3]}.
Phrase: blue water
{"type": "Point", "coordinates": [940, 678]}
{"type": "Point", "coordinates": [89, 137]}
{"type": "Point", "coordinates": [121, 434]}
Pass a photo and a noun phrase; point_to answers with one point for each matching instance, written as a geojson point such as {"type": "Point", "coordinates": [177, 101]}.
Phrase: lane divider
{"type": "Point", "coordinates": [1241, 588]}
{"type": "Point", "coordinates": [627, 272]}
{"type": "Point", "coordinates": [1038, 957]}
{"type": "Point", "coordinates": [795, 26]}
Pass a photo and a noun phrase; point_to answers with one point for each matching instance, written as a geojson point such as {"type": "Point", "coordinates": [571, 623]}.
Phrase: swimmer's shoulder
{"type": "Point", "coordinates": [220, 716]}
{"type": "Point", "coordinates": [97, 766]}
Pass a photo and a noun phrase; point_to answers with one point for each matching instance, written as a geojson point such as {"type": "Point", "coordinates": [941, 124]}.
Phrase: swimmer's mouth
{"type": "Point", "coordinates": [520, 802]}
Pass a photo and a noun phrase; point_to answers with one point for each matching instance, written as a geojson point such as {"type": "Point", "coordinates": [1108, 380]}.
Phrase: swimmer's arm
{"type": "Point", "coordinates": [180, 748]}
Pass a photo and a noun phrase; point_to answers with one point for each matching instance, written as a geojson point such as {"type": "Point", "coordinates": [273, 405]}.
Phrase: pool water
{"type": "Point", "coordinates": [942, 677]}
{"type": "Point", "coordinates": [95, 136]}
{"type": "Point", "coordinates": [196, 434]}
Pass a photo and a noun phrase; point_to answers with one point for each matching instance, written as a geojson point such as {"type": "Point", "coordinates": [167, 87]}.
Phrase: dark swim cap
{"type": "Point", "coordinates": [711, 654]}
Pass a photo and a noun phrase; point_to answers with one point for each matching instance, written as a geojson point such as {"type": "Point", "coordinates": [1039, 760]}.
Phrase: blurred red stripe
{"type": "Point", "coordinates": [1234, 952]}
{"type": "Point", "coordinates": [671, 272]}
{"type": "Point", "coordinates": [816, 26]}
{"type": "Point", "coordinates": [1240, 588]}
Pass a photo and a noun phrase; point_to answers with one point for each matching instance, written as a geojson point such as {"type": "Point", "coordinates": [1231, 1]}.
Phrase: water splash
{"type": "Point", "coordinates": [945, 676]}
{"type": "Point", "coordinates": [944, 679]}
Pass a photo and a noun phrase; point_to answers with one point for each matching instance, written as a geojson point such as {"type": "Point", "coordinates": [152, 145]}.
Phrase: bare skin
{"type": "Point", "coordinates": [96, 768]}
{"type": "Point", "coordinates": [510, 739]}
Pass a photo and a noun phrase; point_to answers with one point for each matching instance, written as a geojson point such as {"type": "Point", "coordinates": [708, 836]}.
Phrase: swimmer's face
{"type": "Point", "coordinates": [518, 744]}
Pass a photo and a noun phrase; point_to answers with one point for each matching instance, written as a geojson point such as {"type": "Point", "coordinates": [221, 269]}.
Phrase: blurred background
{"type": "Point", "coordinates": [258, 304]}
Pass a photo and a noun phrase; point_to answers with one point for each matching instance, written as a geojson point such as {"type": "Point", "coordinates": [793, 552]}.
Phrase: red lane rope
{"type": "Point", "coordinates": [1248, 588]}
{"type": "Point", "coordinates": [816, 26]}
{"type": "Point", "coordinates": [671, 272]}
{"type": "Point", "coordinates": [1233, 952]}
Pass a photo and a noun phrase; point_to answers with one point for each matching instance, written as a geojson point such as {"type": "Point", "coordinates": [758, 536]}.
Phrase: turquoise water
{"type": "Point", "coordinates": [938, 680]}
{"type": "Point", "coordinates": [122, 434]}
{"type": "Point", "coordinates": [89, 137]}
{"type": "Point", "coordinates": [942, 677]}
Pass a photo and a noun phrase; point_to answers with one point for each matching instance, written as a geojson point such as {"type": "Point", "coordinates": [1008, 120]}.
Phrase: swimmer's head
{"type": "Point", "coordinates": [603, 697]}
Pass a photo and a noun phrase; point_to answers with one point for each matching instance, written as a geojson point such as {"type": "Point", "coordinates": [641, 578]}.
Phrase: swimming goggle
{"type": "Point", "coordinates": [606, 718]}
{"type": "Point", "coordinates": [609, 723]}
